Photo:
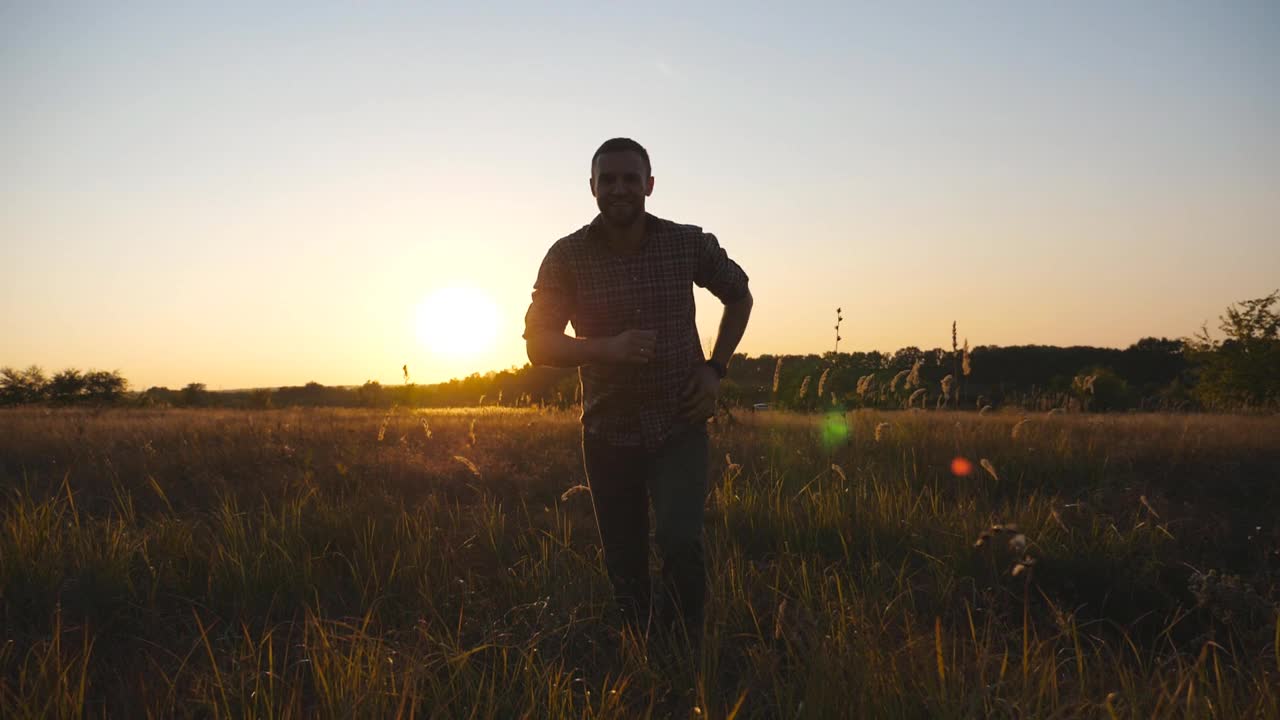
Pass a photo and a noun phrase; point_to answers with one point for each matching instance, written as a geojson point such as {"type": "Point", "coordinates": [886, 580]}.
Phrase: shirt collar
{"type": "Point", "coordinates": [596, 237]}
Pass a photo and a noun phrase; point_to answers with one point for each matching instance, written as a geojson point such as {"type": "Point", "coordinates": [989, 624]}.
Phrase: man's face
{"type": "Point", "coordinates": [620, 182]}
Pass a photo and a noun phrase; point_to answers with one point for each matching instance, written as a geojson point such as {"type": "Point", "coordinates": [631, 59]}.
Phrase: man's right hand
{"type": "Point", "coordinates": [631, 347]}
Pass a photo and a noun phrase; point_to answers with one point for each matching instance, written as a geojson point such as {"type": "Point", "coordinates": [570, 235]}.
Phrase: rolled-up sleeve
{"type": "Point", "coordinates": [718, 273]}
{"type": "Point", "coordinates": [552, 305]}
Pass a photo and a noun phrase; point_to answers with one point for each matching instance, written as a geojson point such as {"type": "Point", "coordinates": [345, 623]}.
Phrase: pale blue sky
{"type": "Point", "coordinates": [245, 196]}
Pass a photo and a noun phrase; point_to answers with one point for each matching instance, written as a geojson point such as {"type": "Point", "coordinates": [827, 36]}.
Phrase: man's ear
{"type": "Point", "coordinates": [591, 181]}
{"type": "Point", "coordinates": [649, 187]}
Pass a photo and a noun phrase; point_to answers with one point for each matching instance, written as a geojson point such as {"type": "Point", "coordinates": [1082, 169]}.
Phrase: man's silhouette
{"type": "Point", "coordinates": [626, 281]}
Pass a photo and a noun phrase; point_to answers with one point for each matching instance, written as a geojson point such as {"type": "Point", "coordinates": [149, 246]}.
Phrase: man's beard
{"type": "Point", "coordinates": [621, 218]}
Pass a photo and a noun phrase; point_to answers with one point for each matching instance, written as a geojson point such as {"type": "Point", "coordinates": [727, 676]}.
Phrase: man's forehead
{"type": "Point", "coordinates": [620, 161]}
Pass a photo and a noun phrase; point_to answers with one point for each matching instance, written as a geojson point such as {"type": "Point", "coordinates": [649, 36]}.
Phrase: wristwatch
{"type": "Point", "coordinates": [721, 370]}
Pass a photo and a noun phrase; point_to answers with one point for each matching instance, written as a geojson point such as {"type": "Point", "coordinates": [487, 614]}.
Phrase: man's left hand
{"type": "Point", "coordinates": [698, 399]}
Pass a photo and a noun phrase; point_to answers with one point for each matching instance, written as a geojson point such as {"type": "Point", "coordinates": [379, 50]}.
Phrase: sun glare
{"type": "Point", "coordinates": [457, 322]}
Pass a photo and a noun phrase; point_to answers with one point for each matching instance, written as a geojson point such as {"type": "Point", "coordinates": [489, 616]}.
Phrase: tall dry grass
{"type": "Point", "coordinates": [345, 563]}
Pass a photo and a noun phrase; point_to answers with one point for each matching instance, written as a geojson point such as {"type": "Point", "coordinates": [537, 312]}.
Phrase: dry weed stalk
{"type": "Point", "coordinates": [864, 384]}
{"type": "Point", "coordinates": [777, 375]}
{"type": "Point", "coordinates": [991, 470]}
{"type": "Point", "coordinates": [1084, 384]}
{"type": "Point", "coordinates": [955, 367]}
{"type": "Point", "coordinates": [822, 381]}
{"type": "Point", "coordinates": [575, 490]}
{"type": "Point", "coordinates": [386, 420]}
{"type": "Point", "coordinates": [881, 430]}
{"type": "Point", "coordinates": [1017, 544]}
{"type": "Point", "coordinates": [992, 532]}
{"type": "Point", "coordinates": [732, 468]}
{"type": "Point", "coordinates": [913, 377]}
{"type": "Point", "coordinates": [1057, 517]}
{"type": "Point", "coordinates": [1017, 428]}
{"type": "Point", "coordinates": [839, 471]}
{"type": "Point", "coordinates": [899, 377]}
{"type": "Point", "coordinates": [468, 464]}
{"type": "Point", "coordinates": [918, 393]}
{"type": "Point", "coordinates": [1143, 499]}
{"type": "Point", "coordinates": [804, 387]}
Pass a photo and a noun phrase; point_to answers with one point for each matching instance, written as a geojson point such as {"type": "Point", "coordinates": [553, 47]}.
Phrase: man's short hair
{"type": "Point", "coordinates": [622, 145]}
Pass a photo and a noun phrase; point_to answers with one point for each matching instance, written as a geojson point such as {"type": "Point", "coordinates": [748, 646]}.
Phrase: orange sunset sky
{"type": "Point", "coordinates": [248, 197]}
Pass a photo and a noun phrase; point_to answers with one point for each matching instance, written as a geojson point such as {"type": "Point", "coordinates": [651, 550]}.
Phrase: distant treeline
{"type": "Point", "coordinates": [1154, 374]}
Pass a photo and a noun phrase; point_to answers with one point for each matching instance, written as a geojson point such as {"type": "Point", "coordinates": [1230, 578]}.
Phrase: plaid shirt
{"type": "Point", "coordinates": [604, 293]}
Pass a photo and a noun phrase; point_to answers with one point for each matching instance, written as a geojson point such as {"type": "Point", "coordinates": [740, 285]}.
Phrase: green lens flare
{"type": "Point", "coordinates": [834, 429]}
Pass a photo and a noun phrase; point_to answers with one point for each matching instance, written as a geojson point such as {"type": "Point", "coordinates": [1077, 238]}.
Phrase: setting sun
{"type": "Point", "coordinates": [457, 321]}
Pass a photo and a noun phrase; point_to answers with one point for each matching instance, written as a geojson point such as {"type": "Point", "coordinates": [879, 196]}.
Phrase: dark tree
{"type": "Point", "coordinates": [370, 394]}
{"type": "Point", "coordinates": [104, 387]}
{"type": "Point", "coordinates": [68, 387]}
{"type": "Point", "coordinates": [194, 395]}
{"type": "Point", "coordinates": [1244, 368]}
{"type": "Point", "coordinates": [261, 399]}
{"type": "Point", "coordinates": [19, 387]}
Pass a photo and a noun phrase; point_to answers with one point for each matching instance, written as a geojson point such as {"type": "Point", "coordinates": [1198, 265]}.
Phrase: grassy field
{"type": "Point", "coordinates": [300, 563]}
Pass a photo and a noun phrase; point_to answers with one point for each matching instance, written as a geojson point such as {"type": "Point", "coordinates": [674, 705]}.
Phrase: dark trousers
{"type": "Point", "coordinates": [674, 477]}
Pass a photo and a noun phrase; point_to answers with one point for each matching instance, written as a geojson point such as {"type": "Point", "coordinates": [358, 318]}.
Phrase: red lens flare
{"type": "Point", "coordinates": [961, 467]}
